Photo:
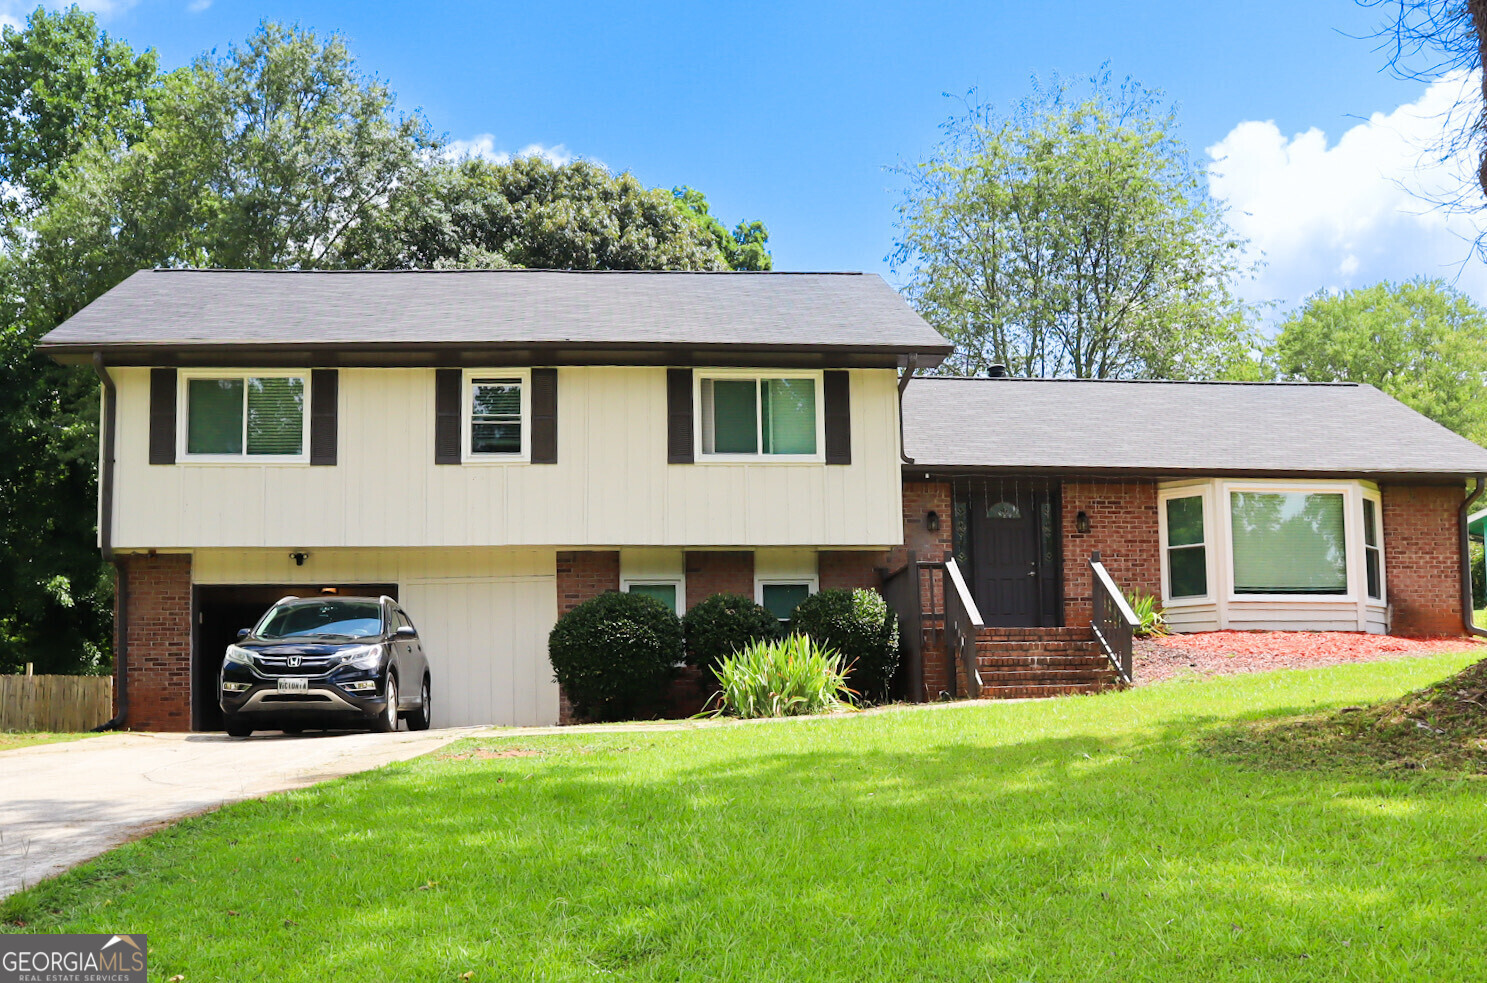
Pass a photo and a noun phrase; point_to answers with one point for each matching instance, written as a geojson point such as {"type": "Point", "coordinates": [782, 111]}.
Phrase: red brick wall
{"type": "Point", "coordinates": [583, 574]}
{"type": "Point", "coordinates": [158, 649]}
{"type": "Point", "coordinates": [921, 498]}
{"type": "Point", "coordinates": [709, 573]}
{"type": "Point", "coordinates": [849, 569]}
{"type": "Point", "coordinates": [1123, 527]}
{"type": "Point", "coordinates": [1422, 558]}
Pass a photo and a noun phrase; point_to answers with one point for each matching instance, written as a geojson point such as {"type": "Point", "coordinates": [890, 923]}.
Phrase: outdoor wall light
{"type": "Point", "coordinates": [1081, 522]}
{"type": "Point", "coordinates": [932, 520]}
{"type": "Point", "coordinates": [299, 558]}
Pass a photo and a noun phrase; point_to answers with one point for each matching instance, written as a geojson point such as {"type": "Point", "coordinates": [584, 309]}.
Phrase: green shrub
{"type": "Point", "coordinates": [613, 653]}
{"type": "Point", "coordinates": [1479, 576]}
{"type": "Point", "coordinates": [786, 678]}
{"type": "Point", "coordinates": [1149, 613]}
{"type": "Point", "coordinates": [723, 624]}
{"type": "Point", "coordinates": [859, 625]}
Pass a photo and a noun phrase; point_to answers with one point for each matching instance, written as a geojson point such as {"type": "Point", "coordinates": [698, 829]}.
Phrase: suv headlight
{"type": "Point", "coordinates": [240, 655]}
{"type": "Point", "coordinates": [362, 657]}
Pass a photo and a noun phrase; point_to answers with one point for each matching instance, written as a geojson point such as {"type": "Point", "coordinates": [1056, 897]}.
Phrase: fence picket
{"type": "Point", "coordinates": [55, 703]}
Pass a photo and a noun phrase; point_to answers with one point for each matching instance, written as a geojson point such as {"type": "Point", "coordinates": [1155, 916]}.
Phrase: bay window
{"type": "Point", "coordinates": [1288, 542]}
{"type": "Point", "coordinates": [241, 416]}
{"type": "Point", "coordinates": [1373, 556]}
{"type": "Point", "coordinates": [759, 415]}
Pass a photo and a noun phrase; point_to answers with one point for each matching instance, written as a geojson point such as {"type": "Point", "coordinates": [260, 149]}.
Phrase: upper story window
{"type": "Point", "coordinates": [760, 415]}
{"type": "Point", "coordinates": [497, 414]}
{"type": "Point", "coordinates": [241, 416]}
{"type": "Point", "coordinates": [1289, 542]}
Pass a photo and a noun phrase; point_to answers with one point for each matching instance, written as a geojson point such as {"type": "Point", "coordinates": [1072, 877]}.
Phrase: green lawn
{"type": "Point", "coordinates": [1090, 838]}
{"type": "Point", "coordinates": [10, 739]}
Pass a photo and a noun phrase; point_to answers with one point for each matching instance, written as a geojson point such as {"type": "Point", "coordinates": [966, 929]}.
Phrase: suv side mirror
{"type": "Point", "coordinates": [243, 632]}
{"type": "Point", "coordinates": [404, 632]}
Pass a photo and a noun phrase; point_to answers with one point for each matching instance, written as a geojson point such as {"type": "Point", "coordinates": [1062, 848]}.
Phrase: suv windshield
{"type": "Point", "coordinates": [345, 618]}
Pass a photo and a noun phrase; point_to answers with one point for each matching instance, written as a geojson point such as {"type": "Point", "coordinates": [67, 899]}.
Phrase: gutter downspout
{"type": "Point", "coordinates": [1466, 559]}
{"type": "Point", "coordinates": [910, 367]}
{"type": "Point", "coordinates": [106, 542]}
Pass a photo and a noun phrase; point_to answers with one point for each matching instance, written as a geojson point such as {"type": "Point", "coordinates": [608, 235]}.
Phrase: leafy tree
{"type": "Point", "coordinates": [63, 84]}
{"type": "Point", "coordinates": [1421, 341]}
{"type": "Point", "coordinates": [532, 213]}
{"type": "Point", "coordinates": [745, 248]}
{"type": "Point", "coordinates": [1072, 237]}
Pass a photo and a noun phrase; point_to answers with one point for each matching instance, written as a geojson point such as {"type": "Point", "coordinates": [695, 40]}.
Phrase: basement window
{"type": "Point", "coordinates": [250, 416]}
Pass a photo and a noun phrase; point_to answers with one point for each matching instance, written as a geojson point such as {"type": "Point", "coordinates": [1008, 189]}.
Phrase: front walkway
{"type": "Point", "coordinates": [62, 804]}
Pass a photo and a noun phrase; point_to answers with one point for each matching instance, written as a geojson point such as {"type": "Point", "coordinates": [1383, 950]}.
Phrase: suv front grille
{"type": "Point", "coordinates": [309, 665]}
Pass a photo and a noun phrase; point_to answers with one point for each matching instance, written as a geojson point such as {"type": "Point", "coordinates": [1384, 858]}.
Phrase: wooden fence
{"type": "Point", "coordinates": [55, 703]}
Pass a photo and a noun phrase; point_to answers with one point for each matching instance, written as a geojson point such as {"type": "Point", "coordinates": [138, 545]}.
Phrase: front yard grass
{"type": "Point", "coordinates": [11, 739]}
{"type": "Point", "coordinates": [1075, 839]}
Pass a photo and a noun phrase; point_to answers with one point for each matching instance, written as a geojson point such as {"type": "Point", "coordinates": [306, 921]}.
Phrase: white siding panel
{"type": "Point", "coordinates": [610, 487]}
{"type": "Point", "coordinates": [1193, 617]}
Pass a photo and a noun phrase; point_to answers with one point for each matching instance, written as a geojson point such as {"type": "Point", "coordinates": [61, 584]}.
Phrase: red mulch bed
{"type": "Point", "coordinates": [1217, 653]}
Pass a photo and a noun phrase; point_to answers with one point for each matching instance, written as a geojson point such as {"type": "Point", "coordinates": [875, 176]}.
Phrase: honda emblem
{"type": "Point", "coordinates": [294, 662]}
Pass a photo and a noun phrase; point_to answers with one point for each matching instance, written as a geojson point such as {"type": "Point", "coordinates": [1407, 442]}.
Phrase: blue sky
{"type": "Point", "coordinates": [789, 112]}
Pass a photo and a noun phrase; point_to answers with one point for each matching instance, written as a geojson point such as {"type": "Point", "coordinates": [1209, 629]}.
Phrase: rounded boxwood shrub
{"type": "Point", "coordinates": [863, 630]}
{"type": "Point", "coordinates": [723, 624]}
{"type": "Point", "coordinates": [613, 653]}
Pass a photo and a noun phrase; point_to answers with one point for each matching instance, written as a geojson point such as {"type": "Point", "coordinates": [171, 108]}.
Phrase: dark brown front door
{"type": "Point", "coordinates": [1012, 575]}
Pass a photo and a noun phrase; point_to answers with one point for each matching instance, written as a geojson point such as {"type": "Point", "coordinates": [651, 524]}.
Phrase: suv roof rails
{"type": "Point", "coordinates": [286, 597]}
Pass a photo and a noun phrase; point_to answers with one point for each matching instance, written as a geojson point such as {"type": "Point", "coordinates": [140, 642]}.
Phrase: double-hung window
{"type": "Point", "coordinates": [1187, 548]}
{"type": "Point", "coordinates": [1373, 557]}
{"type": "Point", "coordinates": [1289, 542]}
{"type": "Point", "coordinates": [244, 416]}
{"type": "Point", "coordinates": [782, 597]}
{"type": "Point", "coordinates": [497, 410]}
{"type": "Point", "coordinates": [760, 415]}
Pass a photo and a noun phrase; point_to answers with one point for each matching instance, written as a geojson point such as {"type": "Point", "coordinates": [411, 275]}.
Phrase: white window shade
{"type": "Point", "coordinates": [1289, 542]}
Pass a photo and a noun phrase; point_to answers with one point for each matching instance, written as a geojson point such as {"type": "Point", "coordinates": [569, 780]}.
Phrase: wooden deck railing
{"type": "Point", "coordinates": [1113, 620]}
{"type": "Point", "coordinates": [901, 590]}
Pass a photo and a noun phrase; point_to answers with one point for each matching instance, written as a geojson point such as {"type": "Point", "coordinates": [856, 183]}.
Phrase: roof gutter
{"type": "Point", "coordinates": [106, 542]}
{"type": "Point", "coordinates": [1466, 559]}
{"type": "Point", "coordinates": [910, 367]}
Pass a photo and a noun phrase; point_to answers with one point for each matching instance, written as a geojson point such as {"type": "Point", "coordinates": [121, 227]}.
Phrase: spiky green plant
{"type": "Point", "coordinates": [790, 677]}
{"type": "Point", "coordinates": [1148, 610]}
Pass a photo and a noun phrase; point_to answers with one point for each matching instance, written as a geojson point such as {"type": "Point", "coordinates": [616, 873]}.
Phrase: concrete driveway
{"type": "Point", "coordinates": [61, 804]}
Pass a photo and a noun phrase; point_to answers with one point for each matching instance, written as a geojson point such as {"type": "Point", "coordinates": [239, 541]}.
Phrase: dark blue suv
{"type": "Point", "coordinates": [329, 662]}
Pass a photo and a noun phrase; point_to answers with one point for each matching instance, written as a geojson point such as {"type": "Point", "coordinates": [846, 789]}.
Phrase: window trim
{"type": "Point", "coordinates": [811, 583]}
{"type": "Point", "coordinates": [1352, 536]}
{"type": "Point", "coordinates": [816, 377]}
{"type": "Point", "coordinates": [467, 403]}
{"type": "Point", "coordinates": [1377, 498]}
{"type": "Point", "coordinates": [183, 416]}
{"type": "Point", "coordinates": [1205, 492]}
{"type": "Point", "coordinates": [680, 583]}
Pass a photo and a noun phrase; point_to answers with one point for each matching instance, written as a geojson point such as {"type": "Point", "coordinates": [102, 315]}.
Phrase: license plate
{"type": "Point", "coordinates": [291, 685]}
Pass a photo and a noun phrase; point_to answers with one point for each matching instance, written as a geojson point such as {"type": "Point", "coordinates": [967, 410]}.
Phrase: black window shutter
{"type": "Point", "coordinates": [447, 416]}
{"type": "Point", "coordinates": [679, 416]}
{"type": "Point", "coordinates": [324, 396]}
{"type": "Point", "coordinates": [838, 396]}
{"type": "Point", "coordinates": [162, 416]}
{"type": "Point", "coordinates": [544, 416]}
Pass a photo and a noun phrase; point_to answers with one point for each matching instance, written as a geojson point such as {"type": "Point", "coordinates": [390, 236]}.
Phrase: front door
{"type": "Point", "coordinates": [1011, 576]}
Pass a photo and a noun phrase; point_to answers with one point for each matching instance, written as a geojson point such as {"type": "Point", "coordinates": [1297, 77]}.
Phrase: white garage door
{"type": "Point", "coordinates": [486, 642]}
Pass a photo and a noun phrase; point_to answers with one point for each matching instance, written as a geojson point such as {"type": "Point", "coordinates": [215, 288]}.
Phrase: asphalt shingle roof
{"type": "Point", "coordinates": [1176, 428]}
{"type": "Point", "coordinates": [205, 308]}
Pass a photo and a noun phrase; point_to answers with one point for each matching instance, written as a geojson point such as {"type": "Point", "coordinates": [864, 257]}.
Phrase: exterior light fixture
{"type": "Point", "coordinates": [1081, 522]}
{"type": "Point", "coordinates": [932, 520]}
{"type": "Point", "coordinates": [299, 558]}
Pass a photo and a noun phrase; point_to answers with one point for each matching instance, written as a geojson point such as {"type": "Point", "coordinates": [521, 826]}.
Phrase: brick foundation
{"type": "Point", "coordinates": [1422, 558]}
{"type": "Point", "coordinates": [1123, 527]}
{"type": "Point", "coordinates": [849, 569]}
{"type": "Point", "coordinates": [158, 649]}
{"type": "Point", "coordinates": [727, 572]}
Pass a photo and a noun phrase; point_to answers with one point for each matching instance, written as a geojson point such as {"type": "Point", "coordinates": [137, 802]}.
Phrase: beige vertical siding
{"type": "Point", "coordinates": [611, 487]}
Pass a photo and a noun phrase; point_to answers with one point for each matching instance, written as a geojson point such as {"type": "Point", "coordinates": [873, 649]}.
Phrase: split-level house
{"type": "Point", "coordinates": [494, 447]}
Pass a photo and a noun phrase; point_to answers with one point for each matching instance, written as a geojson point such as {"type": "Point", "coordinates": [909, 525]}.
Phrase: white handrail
{"type": "Point", "coordinates": [1121, 604]}
{"type": "Point", "coordinates": [952, 570]}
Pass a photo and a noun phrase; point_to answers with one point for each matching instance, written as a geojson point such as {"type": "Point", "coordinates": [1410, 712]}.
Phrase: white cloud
{"type": "Point", "coordinates": [197, 6]}
{"type": "Point", "coordinates": [484, 145]}
{"type": "Point", "coordinates": [1353, 212]}
{"type": "Point", "coordinates": [13, 13]}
